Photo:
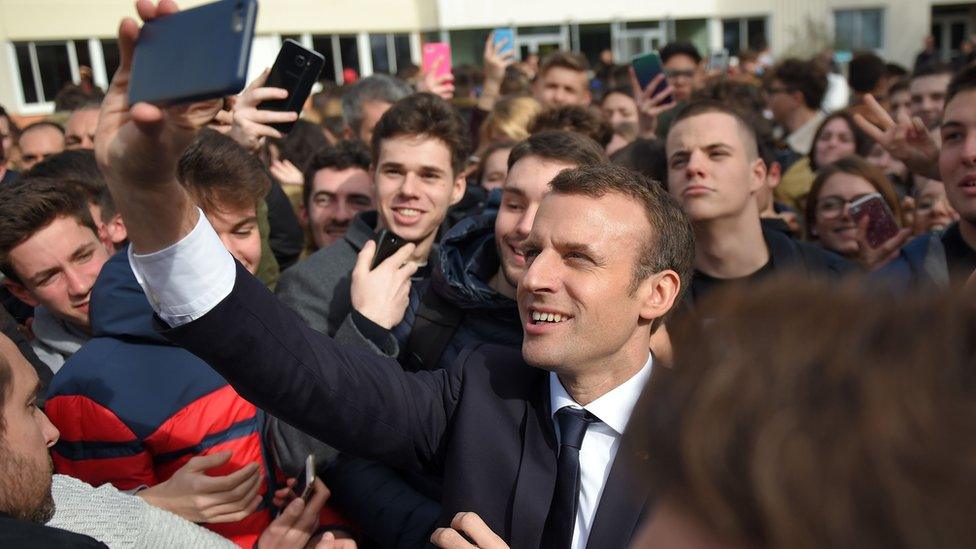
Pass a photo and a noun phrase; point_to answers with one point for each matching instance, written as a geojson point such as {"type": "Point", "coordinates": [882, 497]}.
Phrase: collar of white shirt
{"type": "Point", "coordinates": [613, 408]}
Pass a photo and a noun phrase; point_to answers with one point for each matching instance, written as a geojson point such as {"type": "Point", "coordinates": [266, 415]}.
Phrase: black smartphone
{"type": "Point", "coordinates": [646, 67]}
{"type": "Point", "coordinates": [296, 69]}
{"type": "Point", "coordinates": [387, 244]}
{"type": "Point", "coordinates": [303, 488]}
{"type": "Point", "coordinates": [197, 54]}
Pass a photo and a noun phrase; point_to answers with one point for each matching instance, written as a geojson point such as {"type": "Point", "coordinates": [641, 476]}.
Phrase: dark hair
{"type": "Point", "coordinates": [671, 242]}
{"type": "Point", "coordinates": [865, 71]}
{"type": "Point", "coordinates": [31, 204]}
{"type": "Point", "coordinates": [680, 48]}
{"type": "Point", "coordinates": [705, 106]}
{"type": "Point", "coordinates": [899, 85]}
{"type": "Point", "coordinates": [567, 60]}
{"type": "Point", "coordinates": [862, 143]}
{"type": "Point", "coordinates": [219, 173]}
{"type": "Point", "coordinates": [932, 69]}
{"type": "Point", "coordinates": [72, 96]}
{"type": "Point", "coordinates": [301, 143]}
{"type": "Point", "coordinates": [42, 124]}
{"type": "Point", "coordinates": [856, 166]}
{"type": "Point", "coordinates": [80, 167]}
{"type": "Point", "coordinates": [622, 90]}
{"type": "Point", "coordinates": [426, 115]}
{"type": "Point", "coordinates": [562, 146]}
{"type": "Point", "coordinates": [645, 156]}
{"type": "Point", "coordinates": [574, 118]}
{"type": "Point", "coordinates": [894, 70]}
{"type": "Point", "coordinates": [963, 81]}
{"type": "Point", "coordinates": [808, 415]}
{"type": "Point", "coordinates": [806, 77]}
{"type": "Point", "coordinates": [342, 156]}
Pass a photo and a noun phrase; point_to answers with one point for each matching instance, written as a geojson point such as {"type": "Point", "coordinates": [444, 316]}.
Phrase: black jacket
{"type": "Point", "coordinates": [484, 423]}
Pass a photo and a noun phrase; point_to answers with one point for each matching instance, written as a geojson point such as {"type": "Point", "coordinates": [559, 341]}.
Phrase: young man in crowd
{"type": "Point", "coordinates": [715, 173]}
{"type": "Point", "coordinates": [364, 103]}
{"type": "Point", "coordinates": [79, 130]}
{"type": "Point", "coordinates": [682, 68]}
{"type": "Point", "coordinates": [605, 261]}
{"type": "Point", "coordinates": [39, 141]}
{"type": "Point", "coordinates": [927, 91]}
{"type": "Point", "coordinates": [51, 255]}
{"type": "Point", "coordinates": [563, 80]}
{"type": "Point", "coordinates": [170, 406]}
{"type": "Point", "coordinates": [795, 91]}
{"type": "Point", "coordinates": [948, 258]}
{"type": "Point", "coordinates": [337, 187]}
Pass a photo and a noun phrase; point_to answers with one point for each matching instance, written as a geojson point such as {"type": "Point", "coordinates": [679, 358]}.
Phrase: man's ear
{"type": "Point", "coordinates": [117, 232]}
{"type": "Point", "coordinates": [20, 292]}
{"type": "Point", "coordinates": [658, 294]}
{"type": "Point", "coordinates": [458, 188]}
{"type": "Point", "coordinates": [758, 175]}
{"type": "Point", "coordinates": [774, 174]}
{"type": "Point", "coordinates": [303, 216]}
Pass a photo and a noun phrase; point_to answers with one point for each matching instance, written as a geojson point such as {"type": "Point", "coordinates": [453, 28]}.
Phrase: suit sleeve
{"type": "Point", "coordinates": [352, 399]}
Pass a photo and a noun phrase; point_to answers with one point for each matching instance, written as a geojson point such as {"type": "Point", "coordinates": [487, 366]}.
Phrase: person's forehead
{"type": "Point", "coordinates": [602, 222]}
{"type": "Point", "coordinates": [680, 60]}
{"type": "Point", "coordinates": [532, 174]}
{"type": "Point", "coordinates": [81, 119]}
{"type": "Point", "coordinates": [41, 134]}
{"type": "Point", "coordinates": [835, 125]}
{"type": "Point", "coordinates": [846, 182]}
{"type": "Point", "coordinates": [23, 377]}
{"type": "Point", "coordinates": [227, 215]}
{"type": "Point", "coordinates": [930, 83]}
{"type": "Point", "coordinates": [962, 108]}
{"type": "Point", "coordinates": [349, 180]}
{"type": "Point", "coordinates": [415, 151]}
{"type": "Point", "coordinates": [565, 75]}
{"type": "Point", "coordinates": [707, 128]}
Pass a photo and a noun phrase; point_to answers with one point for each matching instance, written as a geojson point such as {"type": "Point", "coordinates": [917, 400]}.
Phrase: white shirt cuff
{"type": "Point", "coordinates": [187, 279]}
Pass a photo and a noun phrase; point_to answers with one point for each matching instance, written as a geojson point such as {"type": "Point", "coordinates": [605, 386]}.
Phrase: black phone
{"type": "Point", "coordinates": [197, 54]}
{"type": "Point", "coordinates": [296, 69]}
{"type": "Point", "coordinates": [387, 244]}
{"type": "Point", "coordinates": [646, 67]}
{"type": "Point", "coordinates": [303, 487]}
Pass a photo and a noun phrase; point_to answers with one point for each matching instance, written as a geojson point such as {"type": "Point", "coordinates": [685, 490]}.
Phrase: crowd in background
{"type": "Point", "coordinates": [798, 413]}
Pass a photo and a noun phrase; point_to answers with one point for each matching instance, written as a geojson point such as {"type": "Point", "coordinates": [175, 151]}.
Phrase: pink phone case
{"type": "Point", "coordinates": [434, 51]}
{"type": "Point", "coordinates": [881, 224]}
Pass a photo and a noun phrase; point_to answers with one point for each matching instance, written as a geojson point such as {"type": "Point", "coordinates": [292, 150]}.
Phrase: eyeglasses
{"type": "Point", "coordinates": [675, 73]}
{"type": "Point", "coordinates": [831, 207]}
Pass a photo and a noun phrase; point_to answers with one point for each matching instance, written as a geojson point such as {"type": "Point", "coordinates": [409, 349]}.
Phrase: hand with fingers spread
{"type": "Point", "coordinates": [250, 125]}
{"type": "Point", "coordinates": [286, 173]}
{"type": "Point", "coordinates": [440, 85]}
{"type": "Point", "coordinates": [906, 139]}
{"type": "Point", "coordinates": [467, 531]}
{"type": "Point", "coordinates": [198, 497]}
{"type": "Point", "coordinates": [293, 528]}
{"type": "Point", "coordinates": [650, 105]}
{"type": "Point", "coordinates": [495, 63]}
{"type": "Point", "coordinates": [382, 294]}
{"type": "Point", "coordinates": [875, 258]}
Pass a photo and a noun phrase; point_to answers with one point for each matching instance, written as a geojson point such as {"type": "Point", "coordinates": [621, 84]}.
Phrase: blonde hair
{"type": "Point", "coordinates": [510, 119]}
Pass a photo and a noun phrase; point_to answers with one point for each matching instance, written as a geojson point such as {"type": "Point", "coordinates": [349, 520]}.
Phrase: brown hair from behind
{"type": "Point", "coordinates": [218, 173]}
{"type": "Point", "coordinates": [807, 416]}
{"type": "Point", "coordinates": [857, 166]}
{"type": "Point", "coordinates": [564, 146]}
{"type": "Point", "coordinates": [584, 120]}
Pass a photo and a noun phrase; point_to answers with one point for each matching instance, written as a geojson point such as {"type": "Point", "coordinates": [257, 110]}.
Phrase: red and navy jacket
{"type": "Point", "coordinates": [132, 408]}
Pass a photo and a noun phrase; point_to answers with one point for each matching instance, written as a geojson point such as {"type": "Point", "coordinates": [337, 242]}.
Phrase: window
{"type": "Point", "coordinates": [110, 50]}
{"type": "Point", "coordinates": [391, 52]}
{"type": "Point", "coordinates": [48, 62]}
{"type": "Point", "coordinates": [340, 51]}
{"type": "Point", "coordinates": [744, 34]}
{"type": "Point", "coordinates": [856, 30]}
{"type": "Point", "coordinates": [401, 47]}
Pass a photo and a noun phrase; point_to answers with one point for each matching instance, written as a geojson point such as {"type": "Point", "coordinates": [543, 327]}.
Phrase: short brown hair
{"type": "Point", "coordinates": [807, 416]}
{"type": "Point", "coordinates": [806, 77]}
{"type": "Point", "coordinates": [574, 118]}
{"type": "Point", "coordinates": [704, 106]}
{"type": "Point", "coordinates": [671, 244]}
{"type": "Point", "coordinates": [562, 146]}
{"type": "Point", "coordinates": [857, 166]}
{"type": "Point", "coordinates": [566, 60]}
{"type": "Point", "coordinates": [219, 173]}
{"type": "Point", "coordinates": [425, 115]}
{"type": "Point", "coordinates": [31, 204]}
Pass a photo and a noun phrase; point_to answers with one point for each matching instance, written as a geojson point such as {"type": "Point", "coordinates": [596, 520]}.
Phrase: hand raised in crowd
{"type": "Point", "coordinates": [294, 527]}
{"type": "Point", "coordinates": [907, 139]}
{"type": "Point", "coordinates": [382, 294]}
{"type": "Point", "coordinates": [439, 85]}
{"type": "Point", "coordinates": [249, 125]}
{"type": "Point", "coordinates": [650, 105]}
{"type": "Point", "coordinates": [286, 173]}
{"type": "Point", "coordinates": [875, 258]}
{"type": "Point", "coordinates": [467, 531]}
{"type": "Point", "coordinates": [495, 62]}
{"type": "Point", "coordinates": [198, 497]}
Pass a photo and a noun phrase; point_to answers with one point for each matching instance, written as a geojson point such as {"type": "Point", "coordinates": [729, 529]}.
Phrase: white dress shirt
{"type": "Point", "coordinates": [601, 442]}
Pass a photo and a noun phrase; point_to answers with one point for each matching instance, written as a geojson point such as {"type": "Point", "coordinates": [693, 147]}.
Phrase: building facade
{"type": "Point", "coordinates": [45, 42]}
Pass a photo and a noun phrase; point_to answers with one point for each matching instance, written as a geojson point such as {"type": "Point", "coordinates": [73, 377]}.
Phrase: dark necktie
{"type": "Point", "coordinates": [558, 533]}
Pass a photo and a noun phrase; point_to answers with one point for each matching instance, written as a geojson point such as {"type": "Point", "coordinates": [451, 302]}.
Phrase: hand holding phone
{"type": "Point", "coordinates": [381, 279]}
{"type": "Point", "coordinates": [647, 67]}
{"type": "Point", "coordinates": [296, 69]}
{"type": "Point", "coordinates": [504, 40]}
{"type": "Point", "coordinates": [303, 488]}
{"type": "Point", "coordinates": [387, 244]}
{"type": "Point", "coordinates": [881, 222]}
{"type": "Point", "coordinates": [437, 58]}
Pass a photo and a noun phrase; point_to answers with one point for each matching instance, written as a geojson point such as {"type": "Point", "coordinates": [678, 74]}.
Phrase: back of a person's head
{"type": "Point", "coordinates": [680, 48]}
{"type": "Point", "coordinates": [221, 175]}
{"type": "Point", "coordinates": [963, 81]}
{"type": "Point", "coordinates": [378, 87]}
{"type": "Point", "coordinates": [894, 70]}
{"type": "Point", "coordinates": [558, 145]}
{"type": "Point", "coordinates": [31, 204]}
{"type": "Point", "coordinates": [424, 115]}
{"type": "Point", "coordinates": [341, 156]}
{"type": "Point", "coordinates": [804, 416]}
{"type": "Point", "coordinates": [807, 77]}
{"type": "Point", "coordinates": [645, 156]}
{"type": "Point", "coordinates": [563, 59]}
{"type": "Point", "coordinates": [865, 72]}
{"type": "Point", "coordinates": [510, 118]}
{"type": "Point", "coordinates": [300, 144]}
{"type": "Point", "coordinates": [574, 118]}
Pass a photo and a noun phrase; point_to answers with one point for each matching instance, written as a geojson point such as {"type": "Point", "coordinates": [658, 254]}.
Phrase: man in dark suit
{"type": "Point", "coordinates": [530, 449]}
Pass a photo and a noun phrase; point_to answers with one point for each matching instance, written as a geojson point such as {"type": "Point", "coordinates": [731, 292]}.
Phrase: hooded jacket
{"type": "Point", "coordinates": [132, 408]}
{"type": "Point", "coordinates": [54, 339]}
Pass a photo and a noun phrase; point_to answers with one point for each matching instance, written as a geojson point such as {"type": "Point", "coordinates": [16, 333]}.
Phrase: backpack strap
{"type": "Point", "coordinates": [433, 327]}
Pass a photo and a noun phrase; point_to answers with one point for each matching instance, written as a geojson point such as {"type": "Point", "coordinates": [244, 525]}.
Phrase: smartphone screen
{"type": "Point", "coordinates": [434, 51]}
{"type": "Point", "coordinates": [881, 222]}
{"type": "Point", "coordinates": [506, 35]}
{"type": "Point", "coordinates": [387, 244]}
{"type": "Point", "coordinates": [719, 61]}
{"type": "Point", "coordinates": [296, 69]}
{"type": "Point", "coordinates": [646, 67]}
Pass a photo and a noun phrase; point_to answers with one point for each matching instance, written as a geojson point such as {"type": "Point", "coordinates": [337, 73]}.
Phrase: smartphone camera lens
{"type": "Point", "coordinates": [300, 60]}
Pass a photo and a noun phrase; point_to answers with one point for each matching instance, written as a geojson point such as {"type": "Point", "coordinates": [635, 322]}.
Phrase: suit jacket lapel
{"type": "Point", "coordinates": [621, 508]}
{"type": "Point", "coordinates": [537, 471]}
